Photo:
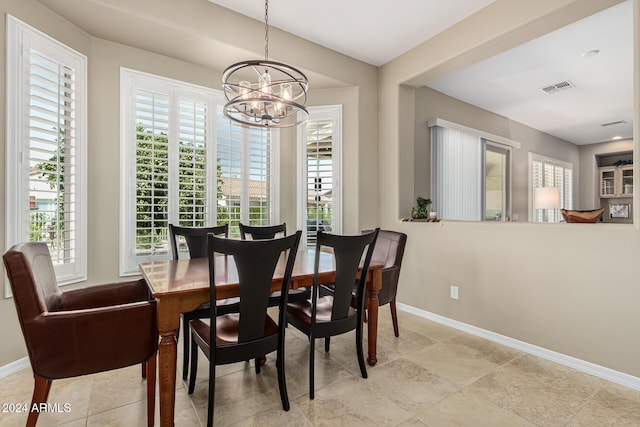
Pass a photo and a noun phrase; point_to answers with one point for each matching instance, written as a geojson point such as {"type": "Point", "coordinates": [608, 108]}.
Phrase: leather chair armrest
{"type": "Point", "coordinates": [80, 342]}
{"type": "Point", "coordinates": [105, 295]}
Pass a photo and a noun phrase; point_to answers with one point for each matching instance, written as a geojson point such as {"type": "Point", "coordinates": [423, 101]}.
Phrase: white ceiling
{"type": "Point", "coordinates": [373, 31]}
{"type": "Point", "coordinates": [508, 84]}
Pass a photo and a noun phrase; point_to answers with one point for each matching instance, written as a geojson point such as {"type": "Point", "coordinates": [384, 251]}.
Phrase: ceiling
{"type": "Point", "coordinates": [373, 31]}
{"type": "Point", "coordinates": [509, 84]}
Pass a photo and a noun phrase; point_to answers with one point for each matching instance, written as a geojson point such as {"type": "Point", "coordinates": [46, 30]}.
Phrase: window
{"type": "Point", "coordinates": [320, 192]}
{"type": "Point", "coordinates": [497, 181]}
{"type": "Point", "coordinates": [185, 163]}
{"type": "Point", "coordinates": [548, 172]}
{"type": "Point", "coordinates": [244, 167]}
{"type": "Point", "coordinates": [471, 176]}
{"type": "Point", "coordinates": [46, 148]}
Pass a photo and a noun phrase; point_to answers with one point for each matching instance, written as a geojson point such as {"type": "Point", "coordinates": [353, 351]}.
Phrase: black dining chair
{"type": "Point", "coordinates": [330, 314]}
{"type": "Point", "coordinates": [261, 232]}
{"type": "Point", "coordinates": [195, 240]}
{"type": "Point", "coordinates": [251, 333]}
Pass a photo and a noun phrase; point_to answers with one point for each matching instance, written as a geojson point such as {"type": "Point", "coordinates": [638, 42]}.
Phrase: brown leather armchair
{"type": "Point", "coordinates": [389, 251]}
{"type": "Point", "coordinates": [81, 331]}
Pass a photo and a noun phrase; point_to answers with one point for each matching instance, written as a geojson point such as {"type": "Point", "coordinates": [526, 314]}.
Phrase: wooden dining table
{"type": "Point", "coordinates": [180, 286]}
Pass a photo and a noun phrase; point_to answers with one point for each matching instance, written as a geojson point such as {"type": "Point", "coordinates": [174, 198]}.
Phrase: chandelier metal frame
{"type": "Point", "coordinates": [265, 93]}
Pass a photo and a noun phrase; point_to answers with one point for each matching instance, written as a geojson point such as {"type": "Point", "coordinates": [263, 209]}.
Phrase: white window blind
{"type": "Point", "coordinates": [549, 172]}
{"type": "Point", "coordinates": [192, 167]}
{"type": "Point", "coordinates": [457, 174]}
{"type": "Point", "coordinates": [46, 139]}
{"type": "Point", "coordinates": [320, 142]}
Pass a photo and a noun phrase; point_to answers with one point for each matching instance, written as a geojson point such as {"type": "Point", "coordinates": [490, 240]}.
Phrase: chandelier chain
{"type": "Point", "coordinates": [266, 30]}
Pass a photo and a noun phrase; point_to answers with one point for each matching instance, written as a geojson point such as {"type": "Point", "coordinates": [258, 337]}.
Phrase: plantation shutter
{"type": "Point", "coordinates": [184, 163]}
{"type": "Point", "coordinates": [229, 155]}
{"type": "Point", "coordinates": [244, 175]}
{"type": "Point", "coordinates": [548, 172]}
{"type": "Point", "coordinates": [320, 191]}
{"type": "Point", "coordinates": [152, 111]}
{"type": "Point", "coordinates": [192, 163]}
{"type": "Point", "coordinates": [47, 148]}
{"type": "Point", "coordinates": [259, 176]}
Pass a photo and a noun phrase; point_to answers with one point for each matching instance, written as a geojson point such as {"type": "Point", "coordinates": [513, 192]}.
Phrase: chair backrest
{"type": "Point", "coordinates": [348, 252]}
{"type": "Point", "coordinates": [195, 238]}
{"type": "Point", "coordinates": [389, 248]}
{"type": "Point", "coordinates": [262, 232]}
{"type": "Point", "coordinates": [389, 251]}
{"type": "Point", "coordinates": [32, 279]}
{"type": "Point", "coordinates": [256, 262]}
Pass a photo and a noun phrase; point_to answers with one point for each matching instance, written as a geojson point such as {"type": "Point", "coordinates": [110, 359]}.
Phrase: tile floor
{"type": "Point", "coordinates": [431, 376]}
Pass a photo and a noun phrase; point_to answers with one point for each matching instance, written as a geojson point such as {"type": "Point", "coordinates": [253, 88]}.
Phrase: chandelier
{"type": "Point", "coordinates": [265, 93]}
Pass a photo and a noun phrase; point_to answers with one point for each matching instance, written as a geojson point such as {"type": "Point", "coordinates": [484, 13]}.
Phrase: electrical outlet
{"type": "Point", "coordinates": [454, 292]}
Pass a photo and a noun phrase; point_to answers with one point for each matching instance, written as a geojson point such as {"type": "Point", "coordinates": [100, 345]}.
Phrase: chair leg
{"type": "Point", "coordinates": [257, 363]}
{"type": "Point", "coordinates": [363, 368]}
{"type": "Point", "coordinates": [185, 349]}
{"type": "Point", "coordinates": [282, 381]}
{"type": "Point", "coordinates": [41, 389]}
{"type": "Point", "coordinates": [312, 350]}
{"type": "Point", "coordinates": [394, 316]}
{"type": "Point", "coordinates": [212, 391]}
{"type": "Point", "coordinates": [151, 389]}
{"type": "Point", "coordinates": [144, 370]}
{"type": "Point", "coordinates": [194, 365]}
{"type": "Point", "coordinates": [327, 342]}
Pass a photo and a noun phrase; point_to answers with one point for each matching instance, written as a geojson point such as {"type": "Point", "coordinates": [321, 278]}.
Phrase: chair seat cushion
{"type": "Point", "coordinates": [227, 327]}
{"type": "Point", "coordinates": [301, 311]}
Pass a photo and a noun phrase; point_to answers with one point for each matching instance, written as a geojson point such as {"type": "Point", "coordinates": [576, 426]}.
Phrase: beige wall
{"type": "Point", "coordinates": [552, 286]}
{"type": "Point", "coordinates": [340, 80]}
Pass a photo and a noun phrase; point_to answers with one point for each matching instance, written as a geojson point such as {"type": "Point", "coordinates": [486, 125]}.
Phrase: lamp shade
{"type": "Point", "coordinates": [546, 198]}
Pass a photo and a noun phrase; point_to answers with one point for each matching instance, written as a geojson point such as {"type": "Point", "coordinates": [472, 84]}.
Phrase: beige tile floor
{"type": "Point", "coordinates": [431, 376]}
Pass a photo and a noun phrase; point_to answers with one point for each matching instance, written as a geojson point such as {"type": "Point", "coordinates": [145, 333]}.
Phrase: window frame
{"type": "Point", "coordinates": [507, 152]}
{"type": "Point", "coordinates": [20, 38]}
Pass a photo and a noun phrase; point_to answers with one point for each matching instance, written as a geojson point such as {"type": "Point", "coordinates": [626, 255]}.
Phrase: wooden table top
{"type": "Point", "coordinates": [186, 276]}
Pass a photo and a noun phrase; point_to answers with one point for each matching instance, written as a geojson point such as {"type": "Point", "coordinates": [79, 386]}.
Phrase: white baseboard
{"type": "Point", "coordinates": [569, 361]}
{"type": "Point", "coordinates": [14, 367]}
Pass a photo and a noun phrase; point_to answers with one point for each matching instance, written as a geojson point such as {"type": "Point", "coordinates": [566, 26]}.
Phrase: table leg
{"type": "Point", "coordinates": [373, 286]}
{"type": "Point", "coordinates": [372, 326]}
{"type": "Point", "coordinates": [167, 357]}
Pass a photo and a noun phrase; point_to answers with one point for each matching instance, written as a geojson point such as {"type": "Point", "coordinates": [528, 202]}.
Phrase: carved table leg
{"type": "Point", "coordinates": [167, 356]}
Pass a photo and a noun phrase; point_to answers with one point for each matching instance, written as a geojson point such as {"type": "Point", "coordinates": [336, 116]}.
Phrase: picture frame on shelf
{"type": "Point", "coordinates": [619, 210]}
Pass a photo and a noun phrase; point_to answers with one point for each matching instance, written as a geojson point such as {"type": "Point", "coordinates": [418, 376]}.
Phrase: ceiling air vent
{"type": "Point", "coordinates": [619, 122]}
{"type": "Point", "coordinates": [557, 87]}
